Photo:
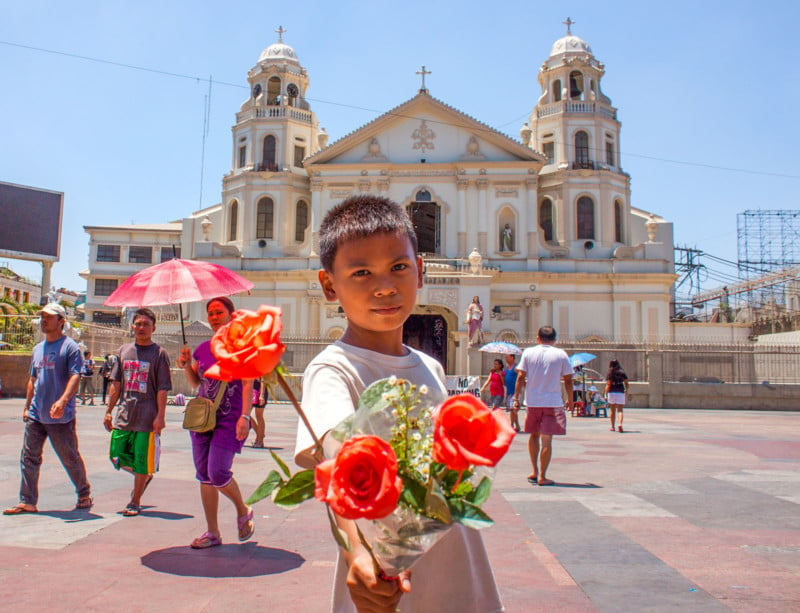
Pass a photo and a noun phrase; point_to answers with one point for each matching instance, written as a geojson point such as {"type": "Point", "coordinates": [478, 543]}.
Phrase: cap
{"type": "Point", "coordinates": [53, 308]}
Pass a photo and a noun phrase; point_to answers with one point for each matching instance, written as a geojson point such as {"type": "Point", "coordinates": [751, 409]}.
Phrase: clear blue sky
{"type": "Point", "coordinates": [707, 94]}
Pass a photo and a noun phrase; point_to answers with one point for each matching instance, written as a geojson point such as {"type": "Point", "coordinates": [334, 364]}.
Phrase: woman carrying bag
{"type": "Point", "coordinates": [214, 450]}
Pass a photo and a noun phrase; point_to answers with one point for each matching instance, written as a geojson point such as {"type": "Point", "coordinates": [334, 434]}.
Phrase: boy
{"type": "Point", "coordinates": [140, 382]}
{"type": "Point", "coordinates": [368, 250]}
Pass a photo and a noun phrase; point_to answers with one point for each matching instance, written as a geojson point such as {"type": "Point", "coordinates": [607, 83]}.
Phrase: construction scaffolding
{"type": "Point", "coordinates": [767, 241]}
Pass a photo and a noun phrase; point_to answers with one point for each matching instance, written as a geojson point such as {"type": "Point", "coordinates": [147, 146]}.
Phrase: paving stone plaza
{"type": "Point", "coordinates": [687, 510]}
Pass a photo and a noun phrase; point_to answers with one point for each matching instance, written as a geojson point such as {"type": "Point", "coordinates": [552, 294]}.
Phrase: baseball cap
{"type": "Point", "coordinates": [53, 308]}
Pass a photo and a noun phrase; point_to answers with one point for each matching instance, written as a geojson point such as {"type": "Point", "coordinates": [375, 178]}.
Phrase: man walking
{"type": "Point", "coordinates": [141, 381]}
{"type": "Point", "coordinates": [50, 412]}
{"type": "Point", "coordinates": [541, 370]}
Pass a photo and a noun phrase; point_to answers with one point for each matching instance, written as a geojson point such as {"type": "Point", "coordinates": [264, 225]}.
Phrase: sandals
{"type": "Point", "coordinates": [85, 503]}
{"type": "Point", "coordinates": [206, 540]}
{"type": "Point", "coordinates": [19, 509]}
{"type": "Point", "coordinates": [533, 480]}
{"type": "Point", "coordinates": [132, 510]}
{"type": "Point", "coordinates": [246, 526]}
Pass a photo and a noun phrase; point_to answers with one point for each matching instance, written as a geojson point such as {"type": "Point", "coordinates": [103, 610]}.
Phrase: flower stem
{"type": "Point", "coordinates": [378, 570]}
{"type": "Point", "coordinates": [293, 399]}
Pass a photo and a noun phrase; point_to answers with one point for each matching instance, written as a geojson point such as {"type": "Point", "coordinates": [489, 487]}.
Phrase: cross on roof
{"type": "Point", "coordinates": [280, 32]}
{"type": "Point", "coordinates": [423, 72]}
{"type": "Point", "coordinates": [568, 23]}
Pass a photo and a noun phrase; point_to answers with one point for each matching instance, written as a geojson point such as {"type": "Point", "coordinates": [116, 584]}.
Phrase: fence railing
{"type": "Point", "coordinates": [677, 362]}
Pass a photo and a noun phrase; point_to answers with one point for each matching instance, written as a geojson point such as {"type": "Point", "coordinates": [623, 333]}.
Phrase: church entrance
{"type": "Point", "coordinates": [428, 333]}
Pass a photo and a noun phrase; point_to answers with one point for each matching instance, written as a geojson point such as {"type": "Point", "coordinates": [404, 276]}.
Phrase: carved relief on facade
{"type": "Point", "coordinates": [423, 138]}
{"type": "Point", "coordinates": [444, 297]}
{"type": "Point", "coordinates": [374, 152]}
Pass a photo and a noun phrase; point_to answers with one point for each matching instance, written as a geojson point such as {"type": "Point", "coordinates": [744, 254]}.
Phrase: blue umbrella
{"type": "Point", "coordinates": [579, 359]}
{"type": "Point", "coordinates": [500, 347]}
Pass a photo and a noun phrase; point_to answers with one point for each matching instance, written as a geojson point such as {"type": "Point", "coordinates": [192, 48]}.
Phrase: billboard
{"type": "Point", "coordinates": [30, 222]}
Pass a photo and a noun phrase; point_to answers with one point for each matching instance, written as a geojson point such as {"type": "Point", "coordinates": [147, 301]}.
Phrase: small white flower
{"type": "Point", "coordinates": [392, 380]}
{"type": "Point", "coordinates": [423, 389]}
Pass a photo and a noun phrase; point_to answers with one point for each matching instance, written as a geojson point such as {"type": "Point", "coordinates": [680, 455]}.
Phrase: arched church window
{"type": "Point", "coordinates": [273, 90]}
{"type": "Point", "coordinates": [582, 150]}
{"type": "Point", "coordinates": [233, 220]}
{"type": "Point", "coordinates": [301, 221]}
{"type": "Point", "coordinates": [618, 221]}
{"type": "Point", "coordinates": [557, 90]}
{"type": "Point", "coordinates": [575, 84]}
{"type": "Point", "coordinates": [585, 217]}
{"type": "Point", "coordinates": [546, 219]}
{"type": "Point", "coordinates": [265, 215]}
{"type": "Point", "coordinates": [426, 218]}
{"type": "Point", "coordinates": [268, 157]}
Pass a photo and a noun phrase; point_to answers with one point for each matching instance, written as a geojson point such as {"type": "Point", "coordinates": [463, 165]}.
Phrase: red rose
{"type": "Point", "coordinates": [249, 346]}
{"type": "Point", "coordinates": [467, 433]}
{"type": "Point", "coordinates": [362, 481]}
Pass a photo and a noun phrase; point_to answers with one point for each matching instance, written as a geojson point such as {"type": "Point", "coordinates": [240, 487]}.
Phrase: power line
{"type": "Point", "coordinates": [376, 111]}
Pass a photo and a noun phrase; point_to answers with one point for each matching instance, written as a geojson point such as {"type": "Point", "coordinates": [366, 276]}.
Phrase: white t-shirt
{"type": "Point", "coordinates": [544, 366]}
{"type": "Point", "coordinates": [455, 575]}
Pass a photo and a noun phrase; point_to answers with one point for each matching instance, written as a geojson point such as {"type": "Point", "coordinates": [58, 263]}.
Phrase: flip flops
{"type": "Point", "coordinates": [533, 480]}
{"type": "Point", "coordinates": [85, 503]}
{"type": "Point", "coordinates": [132, 510]}
{"type": "Point", "coordinates": [246, 526]}
{"type": "Point", "coordinates": [206, 540]}
{"type": "Point", "coordinates": [19, 510]}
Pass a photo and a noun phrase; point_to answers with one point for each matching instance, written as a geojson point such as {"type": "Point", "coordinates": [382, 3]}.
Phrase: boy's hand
{"type": "Point", "coordinates": [159, 423]}
{"type": "Point", "coordinates": [370, 593]}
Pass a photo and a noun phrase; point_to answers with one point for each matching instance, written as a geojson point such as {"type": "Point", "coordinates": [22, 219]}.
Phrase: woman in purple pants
{"type": "Point", "coordinates": [214, 451]}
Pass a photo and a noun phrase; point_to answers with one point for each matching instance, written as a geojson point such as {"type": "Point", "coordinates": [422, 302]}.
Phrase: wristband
{"type": "Point", "coordinates": [247, 417]}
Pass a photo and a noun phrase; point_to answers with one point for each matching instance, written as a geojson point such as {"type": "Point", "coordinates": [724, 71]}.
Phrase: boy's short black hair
{"type": "Point", "coordinates": [359, 217]}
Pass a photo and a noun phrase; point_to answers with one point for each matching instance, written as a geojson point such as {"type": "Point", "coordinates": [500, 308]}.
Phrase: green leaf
{"type": "Point", "coordinates": [298, 488]}
{"type": "Point", "coordinates": [481, 493]}
{"type": "Point", "coordinates": [413, 494]}
{"type": "Point", "coordinates": [339, 535]}
{"type": "Point", "coordinates": [436, 504]}
{"type": "Point", "coordinates": [281, 463]}
{"type": "Point", "coordinates": [469, 514]}
{"type": "Point", "coordinates": [272, 481]}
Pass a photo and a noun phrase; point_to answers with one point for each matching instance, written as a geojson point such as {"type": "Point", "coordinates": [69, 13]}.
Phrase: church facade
{"type": "Point", "coordinates": [540, 229]}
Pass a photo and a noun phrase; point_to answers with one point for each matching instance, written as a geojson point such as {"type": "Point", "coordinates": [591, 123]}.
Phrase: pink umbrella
{"type": "Point", "coordinates": [176, 281]}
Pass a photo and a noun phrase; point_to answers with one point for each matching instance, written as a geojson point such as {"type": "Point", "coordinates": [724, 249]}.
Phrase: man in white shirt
{"type": "Point", "coordinates": [541, 370]}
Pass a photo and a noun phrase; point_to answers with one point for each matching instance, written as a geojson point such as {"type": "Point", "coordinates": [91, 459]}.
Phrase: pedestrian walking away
{"type": "Point", "coordinates": [105, 373]}
{"type": "Point", "coordinates": [137, 407]}
{"type": "Point", "coordinates": [49, 412]}
{"type": "Point", "coordinates": [540, 372]}
{"type": "Point", "coordinates": [616, 390]}
{"type": "Point", "coordinates": [214, 451]}
{"type": "Point", "coordinates": [87, 379]}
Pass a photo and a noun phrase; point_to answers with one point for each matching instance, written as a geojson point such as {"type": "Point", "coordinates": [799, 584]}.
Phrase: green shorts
{"type": "Point", "coordinates": [138, 452]}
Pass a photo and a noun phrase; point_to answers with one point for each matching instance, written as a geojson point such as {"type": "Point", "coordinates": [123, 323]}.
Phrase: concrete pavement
{"type": "Point", "coordinates": [687, 510]}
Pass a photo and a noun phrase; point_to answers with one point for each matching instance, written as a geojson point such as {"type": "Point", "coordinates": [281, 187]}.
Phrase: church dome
{"type": "Point", "coordinates": [279, 51]}
{"type": "Point", "coordinates": [570, 44]}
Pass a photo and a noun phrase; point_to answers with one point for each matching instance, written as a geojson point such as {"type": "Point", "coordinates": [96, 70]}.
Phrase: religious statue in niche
{"type": "Point", "coordinates": [507, 238]}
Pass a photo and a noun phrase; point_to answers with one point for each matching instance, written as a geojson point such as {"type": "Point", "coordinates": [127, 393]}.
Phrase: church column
{"type": "Point", "coordinates": [461, 185]}
{"type": "Point", "coordinates": [532, 317]}
{"type": "Point", "coordinates": [314, 303]}
{"type": "Point", "coordinates": [529, 241]}
{"type": "Point", "coordinates": [316, 215]}
{"type": "Point", "coordinates": [483, 216]}
{"type": "Point", "coordinates": [470, 209]}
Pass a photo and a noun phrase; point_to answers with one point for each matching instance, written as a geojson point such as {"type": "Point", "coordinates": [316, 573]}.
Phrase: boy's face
{"type": "Point", "coordinates": [375, 279]}
{"type": "Point", "coordinates": [143, 328]}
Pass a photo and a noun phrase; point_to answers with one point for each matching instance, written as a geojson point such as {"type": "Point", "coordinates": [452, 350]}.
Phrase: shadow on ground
{"type": "Point", "coordinates": [249, 560]}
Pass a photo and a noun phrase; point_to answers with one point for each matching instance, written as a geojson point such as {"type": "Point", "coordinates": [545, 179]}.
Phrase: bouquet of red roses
{"type": "Point", "coordinates": [414, 465]}
{"type": "Point", "coordinates": [410, 463]}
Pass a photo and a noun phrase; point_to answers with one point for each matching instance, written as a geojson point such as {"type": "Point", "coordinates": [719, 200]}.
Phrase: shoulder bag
{"type": "Point", "coordinates": [200, 414]}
